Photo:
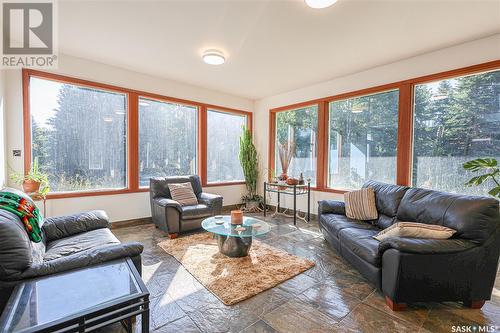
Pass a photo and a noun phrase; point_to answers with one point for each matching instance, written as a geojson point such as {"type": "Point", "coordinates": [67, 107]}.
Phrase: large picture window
{"type": "Point", "coordinates": [78, 135]}
{"type": "Point", "coordinates": [455, 120]}
{"type": "Point", "coordinates": [298, 127]}
{"type": "Point", "coordinates": [362, 141]}
{"type": "Point", "coordinates": [417, 132]}
{"type": "Point", "coordinates": [167, 139]}
{"type": "Point", "coordinates": [97, 139]}
{"type": "Point", "coordinates": [223, 144]}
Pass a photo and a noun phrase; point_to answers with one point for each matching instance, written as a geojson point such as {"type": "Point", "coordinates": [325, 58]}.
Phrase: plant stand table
{"type": "Point", "coordinates": [293, 190]}
{"type": "Point", "coordinates": [80, 300]}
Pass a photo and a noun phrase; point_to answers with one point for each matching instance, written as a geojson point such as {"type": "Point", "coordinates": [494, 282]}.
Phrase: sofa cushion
{"type": "Point", "coordinates": [360, 204]}
{"type": "Point", "coordinates": [387, 198]}
{"type": "Point", "coordinates": [385, 221]}
{"type": "Point", "coordinates": [474, 218]}
{"type": "Point", "coordinates": [80, 242]}
{"type": "Point", "coordinates": [362, 244]}
{"type": "Point", "coordinates": [415, 230]}
{"type": "Point", "coordinates": [183, 194]}
{"type": "Point", "coordinates": [195, 211]}
{"type": "Point", "coordinates": [333, 223]}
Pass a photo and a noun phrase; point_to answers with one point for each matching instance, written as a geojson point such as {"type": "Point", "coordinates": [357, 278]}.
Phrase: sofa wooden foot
{"type": "Point", "coordinates": [172, 236]}
{"type": "Point", "coordinates": [474, 304]}
{"type": "Point", "coordinates": [394, 306]}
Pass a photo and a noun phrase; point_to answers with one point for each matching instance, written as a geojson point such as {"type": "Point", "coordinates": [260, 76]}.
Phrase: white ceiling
{"type": "Point", "coordinates": [271, 46]}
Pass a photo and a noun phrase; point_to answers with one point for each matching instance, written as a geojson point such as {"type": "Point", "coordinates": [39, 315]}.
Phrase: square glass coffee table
{"type": "Point", "coordinates": [79, 300]}
{"type": "Point", "coordinates": [235, 240]}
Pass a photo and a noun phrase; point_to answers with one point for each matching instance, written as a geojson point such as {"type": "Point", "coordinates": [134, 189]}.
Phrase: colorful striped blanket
{"type": "Point", "coordinates": [27, 212]}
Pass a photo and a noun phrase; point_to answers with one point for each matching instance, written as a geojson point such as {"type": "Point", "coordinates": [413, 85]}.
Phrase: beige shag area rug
{"type": "Point", "coordinates": [233, 280]}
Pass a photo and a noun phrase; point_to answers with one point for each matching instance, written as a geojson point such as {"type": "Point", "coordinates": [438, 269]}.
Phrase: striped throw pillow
{"type": "Point", "coordinates": [360, 205]}
{"type": "Point", "coordinates": [415, 230]}
{"type": "Point", "coordinates": [183, 193]}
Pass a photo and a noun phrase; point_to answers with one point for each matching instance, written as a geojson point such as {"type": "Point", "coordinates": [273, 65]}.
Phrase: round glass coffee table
{"type": "Point", "coordinates": [235, 240]}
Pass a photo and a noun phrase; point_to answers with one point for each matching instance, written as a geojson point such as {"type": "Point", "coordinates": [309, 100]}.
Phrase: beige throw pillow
{"type": "Point", "coordinates": [183, 193]}
{"type": "Point", "coordinates": [360, 205]}
{"type": "Point", "coordinates": [415, 230]}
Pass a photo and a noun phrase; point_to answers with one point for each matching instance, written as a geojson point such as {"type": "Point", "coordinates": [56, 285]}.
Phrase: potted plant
{"type": "Point", "coordinates": [34, 181]}
{"type": "Point", "coordinates": [491, 171]}
{"type": "Point", "coordinates": [249, 164]}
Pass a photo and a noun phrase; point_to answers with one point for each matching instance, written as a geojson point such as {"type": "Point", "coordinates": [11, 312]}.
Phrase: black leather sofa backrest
{"type": "Point", "coordinates": [388, 197]}
{"type": "Point", "coordinates": [15, 247]}
{"type": "Point", "coordinates": [159, 185]}
{"type": "Point", "coordinates": [473, 217]}
{"type": "Point", "coordinates": [17, 252]}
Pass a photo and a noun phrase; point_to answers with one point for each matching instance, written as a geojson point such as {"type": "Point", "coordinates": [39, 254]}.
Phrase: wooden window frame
{"type": "Point", "coordinates": [132, 144]}
{"type": "Point", "coordinates": [249, 124]}
{"type": "Point", "coordinates": [404, 154]}
{"type": "Point", "coordinates": [272, 136]}
{"type": "Point", "coordinates": [163, 99]}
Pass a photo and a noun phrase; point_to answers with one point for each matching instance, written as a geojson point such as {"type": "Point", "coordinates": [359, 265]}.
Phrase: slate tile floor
{"type": "Point", "coordinates": [331, 297]}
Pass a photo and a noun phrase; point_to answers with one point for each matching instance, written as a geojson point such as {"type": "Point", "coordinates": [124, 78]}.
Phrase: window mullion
{"type": "Point", "coordinates": [405, 135]}
{"type": "Point", "coordinates": [133, 141]}
{"type": "Point", "coordinates": [321, 167]}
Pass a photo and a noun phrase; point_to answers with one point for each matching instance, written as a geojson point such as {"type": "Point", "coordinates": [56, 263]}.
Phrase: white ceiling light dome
{"type": "Point", "coordinates": [213, 57]}
{"type": "Point", "coordinates": [320, 3]}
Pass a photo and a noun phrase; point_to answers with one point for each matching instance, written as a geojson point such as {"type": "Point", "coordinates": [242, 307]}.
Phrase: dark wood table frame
{"type": "Point", "coordinates": [294, 190]}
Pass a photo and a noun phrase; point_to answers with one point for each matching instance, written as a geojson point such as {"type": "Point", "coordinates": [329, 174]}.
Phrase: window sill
{"type": "Point", "coordinates": [77, 194]}
{"type": "Point", "coordinates": [64, 195]}
{"type": "Point", "coordinates": [224, 184]}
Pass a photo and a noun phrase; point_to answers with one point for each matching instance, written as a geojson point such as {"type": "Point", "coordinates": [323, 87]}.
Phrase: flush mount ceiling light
{"type": "Point", "coordinates": [320, 3]}
{"type": "Point", "coordinates": [213, 57]}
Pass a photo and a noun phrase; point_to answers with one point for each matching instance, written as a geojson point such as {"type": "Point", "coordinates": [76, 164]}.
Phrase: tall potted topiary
{"type": "Point", "coordinates": [249, 164]}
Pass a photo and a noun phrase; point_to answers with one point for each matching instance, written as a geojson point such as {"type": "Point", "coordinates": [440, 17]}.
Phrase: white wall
{"type": "Point", "coordinates": [471, 53]}
{"type": "Point", "coordinates": [124, 206]}
{"type": "Point", "coordinates": [3, 167]}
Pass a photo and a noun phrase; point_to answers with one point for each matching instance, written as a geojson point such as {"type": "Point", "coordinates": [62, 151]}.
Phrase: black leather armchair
{"type": "Point", "coordinates": [68, 242]}
{"type": "Point", "coordinates": [173, 218]}
{"type": "Point", "coordinates": [462, 268]}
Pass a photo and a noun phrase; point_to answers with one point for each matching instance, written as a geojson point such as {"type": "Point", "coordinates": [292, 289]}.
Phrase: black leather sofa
{"type": "Point", "coordinates": [168, 215]}
{"type": "Point", "coordinates": [462, 268]}
{"type": "Point", "coordinates": [68, 242]}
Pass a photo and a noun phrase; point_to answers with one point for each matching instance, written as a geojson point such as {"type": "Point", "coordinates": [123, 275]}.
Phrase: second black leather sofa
{"type": "Point", "coordinates": [462, 268]}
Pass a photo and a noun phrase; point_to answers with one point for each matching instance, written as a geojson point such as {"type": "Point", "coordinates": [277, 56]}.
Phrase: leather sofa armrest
{"type": "Point", "coordinates": [165, 203]}
{"type": "Point", "coordinates": [64, 226]}
{"type": "Point", "coordinates": [214, 201]}
{"type": "Point", "coordinates": [426, 246]}
{"type": "Point", "coordinates": [210, 199]}
{"type": "Point", "coordinates": [424, 270]}
{"type": "Point", "coordinates": [83, 259]}
{"type": "Point", "coordinates": [331, 206]}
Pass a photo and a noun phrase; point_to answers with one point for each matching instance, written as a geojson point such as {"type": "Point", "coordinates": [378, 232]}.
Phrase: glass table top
{"type": "Point", "coordinates": [45, 300]}
{"type": "Point", "coordinates": [221, 225]}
